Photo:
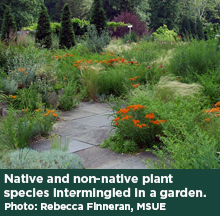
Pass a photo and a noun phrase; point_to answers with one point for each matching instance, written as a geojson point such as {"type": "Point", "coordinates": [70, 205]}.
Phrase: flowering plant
{"type": "Point", "coordinates": [136, 124]}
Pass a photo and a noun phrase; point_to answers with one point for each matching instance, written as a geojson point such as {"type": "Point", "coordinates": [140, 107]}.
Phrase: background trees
{"type": "Point", "coordinates": [25, 12]}
{"type": "Point", "coordinates": [8, 26]}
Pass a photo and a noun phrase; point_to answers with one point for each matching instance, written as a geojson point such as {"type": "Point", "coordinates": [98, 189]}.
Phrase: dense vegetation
{"type": "Point", "coordinates": [164, 81]}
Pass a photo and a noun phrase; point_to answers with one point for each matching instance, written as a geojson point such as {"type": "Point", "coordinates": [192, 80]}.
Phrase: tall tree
{"type": "Point", "coordinates": [98, 16]}
{"type": "Point", "coordinates": [164, 12]}
{"type": "Point", "coordinates": [25, 12]}
{"type": "Point", "coordinates": [43, 32]}
{"type": "Point", "coordinates": [67, 36]}
{"type": "Point", "coordinates": [185, 28]}
{"type": "Point", "coordinates": [8, 27]}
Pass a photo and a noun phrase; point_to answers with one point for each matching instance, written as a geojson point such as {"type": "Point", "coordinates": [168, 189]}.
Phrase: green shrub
{"type": "Point", "coordinates": [31, 159]}
{"type": "Point", "coordinates": [20, 129]}
{"type": "Point", "coordinates": [67, 36]}
{"type": "Point", "coordinates": [43, 33]}
{"type": "Point", "coordinates": [196, 57]}
{"type": "Point", "coordinates": [94, 41]}
{"type": "Point", "coordinates": [67, 100]}
{"type": "Point", "coordinates": [119, 145]}
{"type": "Point", "coordinates": [129, 38]}
{"type": "Point", "coordinates": [196, 151]}
{"type": "Point", "coordinates": [163, 33]}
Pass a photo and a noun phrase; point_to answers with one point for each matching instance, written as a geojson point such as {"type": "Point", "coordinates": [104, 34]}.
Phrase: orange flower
{"type": "Point", "coordinates": [162, 121]}
{"type": "Point", "coordinates": [71, 55]}
{"type": "Point", "coordinates": [207, 119]}
{"type": "Point", "coordinates": [156, 122]}
{"type": "Point", "coordinates": [150, 116]}
{"type": "Point", "coordinates": [54, 114]}
{"type": "Point", "coordinates": [132, 79]}
{"type": "Point", "coordinates": [79, 66]}
{"type": "Point", "coordinates": [103, 53]}
{"type": "Point", "coordinates": [52, 111]}
{"type": "Point", "coordinates": [217, 104]}
{"type": "Point", "coordinates": [217, 115]}
{"type": "Point", "coordinates": [64, 78]}
{"type": "Point", "coordinates": [116, 119]}
{"type": "Point", "coordinates": [79, 61]}
{"type": "Point", "coordinates": [116, 123]}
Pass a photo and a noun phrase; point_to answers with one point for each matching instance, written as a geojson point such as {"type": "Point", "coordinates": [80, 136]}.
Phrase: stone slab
{"type": "Point", "coordinates": [94, 136]}
{"type": "Point", "coordinates": [70, 128]}
{"type": "Point", "coordinates": [97, 108]}
{"type": "Point", "coordinates": [75, 114]}
{"type": "Point", "coordinates": [74, 145]}
{"type": "Point", "coordinates": [99, 158]}
{"type": "Point", "coordinates": [96, 121]}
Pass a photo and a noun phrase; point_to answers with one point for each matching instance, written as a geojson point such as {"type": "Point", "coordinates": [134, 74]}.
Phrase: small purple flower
{"type": "Point", "coordinates": [155, 44]}
{"type": "Point", "coordinates": [81, 50]}
{"type": "Point", "coordinates": [164, 42]}
{"type": "Point", "coordinates": [161, 66]}
{"type": "Point", "coordinates": [149, 66]}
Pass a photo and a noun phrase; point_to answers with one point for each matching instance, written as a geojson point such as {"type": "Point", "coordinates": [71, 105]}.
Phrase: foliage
{"type": "Point", "coordinates": [164, 12]}
{"type": "Point", "coordinates": [98, 17]}
{"type": "Point", "coordinates": [67, 100]}
{"type": "Point", "coordinates": [196, 151]}
{"type": "Point", "coordinates": [119, 145]}
{"type": "Point", "coordinates": [25, 12]}
{"type": "Point", "coordinates": [95, 41]}
{"type": "Point", "coordinates": [67, 36]}
{"type": "Point", "coordinates": [32, 159]}
{"type": "Point", "coordinates": [139, 27]}
{"type": "Point", "coordinates": [138, 124]}
{"type": "Point", "coordinates": [8, 31]}
{"type": "Point", "coordinates": [185, 27]}
{"type": "Point", "coordinates": [57, 142]}
{"type": "Point", "coordinates": [129, 38]}
{"type": "Point", "coordinates": [200, 30]}
{"type": "Point", "coordinates": [43, 32]}
{"type": "Point", "coordinates": [163, 33]}
{"type": "Point", "coordinates": [197, 57]}
{"type": "Point", "coordinates": [21, 129]}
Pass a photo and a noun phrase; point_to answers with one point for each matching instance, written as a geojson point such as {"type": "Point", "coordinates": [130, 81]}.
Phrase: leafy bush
{"type": "Point", "coordinates": [126, 17]}
{"type": "Point", "coordinates": [31, 159]}
{"type": "Point", "coordinates": [21, 129]}
{"type": "Point", "coordinates": [163, 33]}
{"type": "Point", "coordinates": [119, 145]}
{"type": "Point", "coordinates": [94, 41]}
{"type": "Point", "coordinates": [195, 151]}
{"type": "Point", "coordinates": [196, 57]}
{"type": "Point", "coordinates": [129, 38]}
{"type": "Point", "coordinates": [139, 124]}
{"type": "Point", "coordinates": [67, 100]}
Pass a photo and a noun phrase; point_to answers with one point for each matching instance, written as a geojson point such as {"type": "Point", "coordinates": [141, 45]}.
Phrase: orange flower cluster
{"type": "Point", "coordinates": [12, 96]}
{"type": "Point", "coordinates": [24, 110]}
{"type": "Point", "coordinates": [213, 110]}
{"type": "Point", "coordinates": [135, 86]}
{"type": "Point", "coordinates": [62, 56]}
{"type": "Point", "coordinates": [52, 112]}
{"type": "Point", "coordinates": [22, 69]}
{"type": "Point", "coordinates": [136, 122]}
{"type": "Point", "coordinates": [133, 79]}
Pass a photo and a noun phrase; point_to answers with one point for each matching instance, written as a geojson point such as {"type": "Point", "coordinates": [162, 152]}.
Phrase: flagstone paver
{"type": "Point", "coordinates": [87, 126]}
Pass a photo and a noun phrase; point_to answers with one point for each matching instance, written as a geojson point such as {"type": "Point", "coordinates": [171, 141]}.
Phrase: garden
{"type": "Point", "coordinates": [163, 88]}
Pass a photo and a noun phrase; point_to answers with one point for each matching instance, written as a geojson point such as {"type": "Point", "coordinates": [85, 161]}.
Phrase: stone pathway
{"type": "Point", "coordinates": [86, 127]}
